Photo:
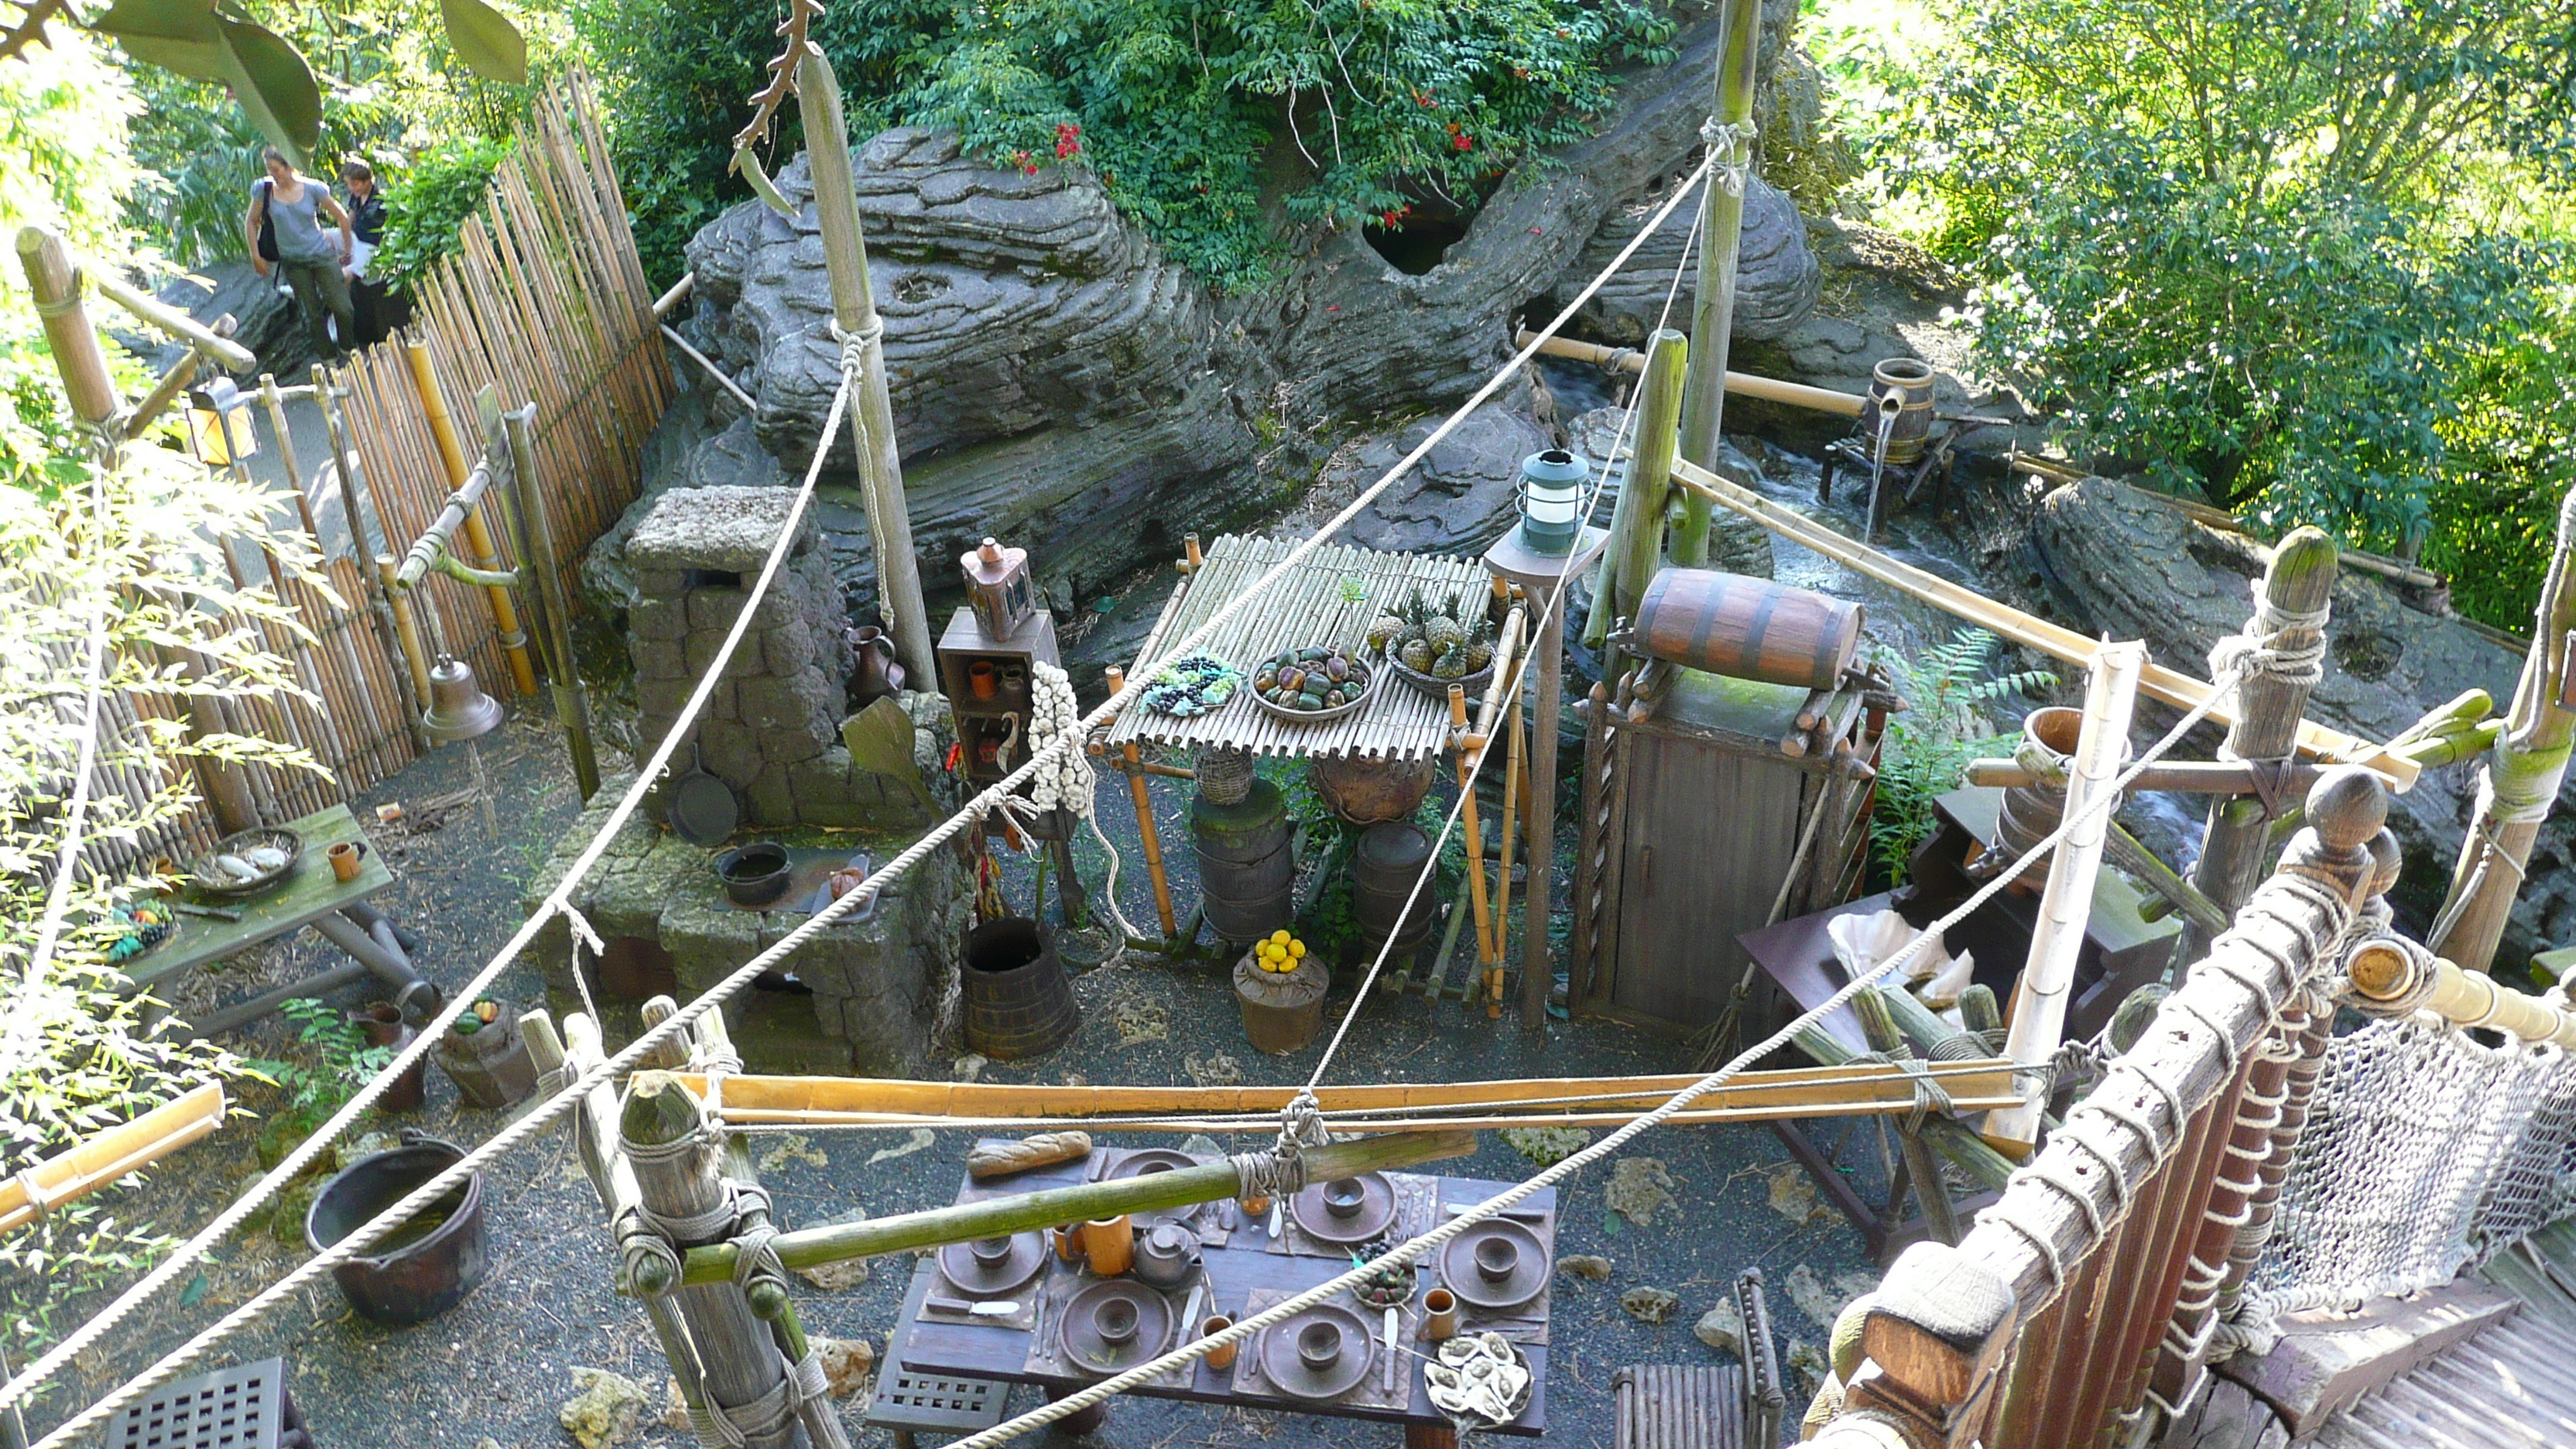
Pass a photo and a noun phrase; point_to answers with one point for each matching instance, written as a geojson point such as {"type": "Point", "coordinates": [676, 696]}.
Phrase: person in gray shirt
{"type": "Point", "coordinates": [284, 228]}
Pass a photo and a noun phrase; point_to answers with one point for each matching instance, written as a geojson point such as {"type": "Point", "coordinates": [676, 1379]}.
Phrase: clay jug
{"type": "Point", "coordinates": [877, 674]}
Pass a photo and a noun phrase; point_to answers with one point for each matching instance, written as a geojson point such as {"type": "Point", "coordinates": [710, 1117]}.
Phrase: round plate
{"type": "Point", "coordinates": [1528, 1277]}
{"type": "Point", "coordinates": [702, 809]}
{"type": "Point", "coordinates": [1377, 1212]}
{"type": "Point", "coordinates": [1083, 1347]}
{"type": "Point", "coordinates": [1287, 1371]}
{"type": "Point", "coordinates": [1368, 692]}
{"type": "Point", "coordinates": [1157, 1159]}
{"type": "Point", "coordinates": [1028, 1254]}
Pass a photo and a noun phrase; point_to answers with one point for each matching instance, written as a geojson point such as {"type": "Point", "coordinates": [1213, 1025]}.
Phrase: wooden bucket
{"type": "Point", "coordinates": [1748, 628]}
{"type": "Point", "coordinates": [1246, 868]}
{"type": "Point", "coordinates": [1282, 1010]}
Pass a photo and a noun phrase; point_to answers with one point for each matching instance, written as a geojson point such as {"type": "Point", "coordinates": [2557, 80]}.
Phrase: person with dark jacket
{"type": "Point", "coordinates": [366, 208]}
{"type": "Point", "coordinates": [284, 228]}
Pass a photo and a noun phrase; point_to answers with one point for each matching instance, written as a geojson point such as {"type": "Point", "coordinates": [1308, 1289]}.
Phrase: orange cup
{"type": "Point", "coordinates": [1110, 1244]}
{"type": "Point", "coordinates": [344, 858]}
{"type": "Point", "coordinates": [1439, 1314]}
{"type": "Point", "coordinates": [1221, 1357]}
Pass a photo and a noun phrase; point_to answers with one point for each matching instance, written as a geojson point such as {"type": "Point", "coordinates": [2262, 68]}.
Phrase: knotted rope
{"type": "Point", "coordinates": [1733, 143]}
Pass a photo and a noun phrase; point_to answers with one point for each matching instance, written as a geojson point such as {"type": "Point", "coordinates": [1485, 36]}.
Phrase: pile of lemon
{"type": "Point", "coordinates": [1281, 952]}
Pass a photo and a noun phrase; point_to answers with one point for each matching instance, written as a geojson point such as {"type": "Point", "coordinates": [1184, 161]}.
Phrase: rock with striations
{"type": "Point", "coordinates": [265, 319]}
{"type": "Point", "coordinates": [1461, 495]}
{"type": "Point", "coordinates": [1776, 275]}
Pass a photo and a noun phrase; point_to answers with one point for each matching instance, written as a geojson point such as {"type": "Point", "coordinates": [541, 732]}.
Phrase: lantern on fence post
{"type": "Point", "coordinates": [1552, 500]}
{"type": "Point", "coordinates": [219, 424]}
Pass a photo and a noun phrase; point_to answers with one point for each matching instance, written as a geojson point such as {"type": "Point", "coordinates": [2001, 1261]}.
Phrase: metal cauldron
{"type": "Point", "coordinates": [417, 1272]}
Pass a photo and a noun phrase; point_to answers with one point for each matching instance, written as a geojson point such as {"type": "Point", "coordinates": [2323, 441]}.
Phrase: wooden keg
{"type": "Point", "coordinates": [1365, 791]}
{"type": "Point", "coordinates": [1749, 628]}
{"type": "Point", "coordinates": [1245, 865]}
{"type": "Point", "coordinates": [1384, 866]}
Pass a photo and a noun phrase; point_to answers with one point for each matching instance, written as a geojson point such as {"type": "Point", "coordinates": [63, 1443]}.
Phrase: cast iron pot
{"type": "Point", "coordinates": [755, 874]}
{"type": "Point", "coordinates": [411, 1275]}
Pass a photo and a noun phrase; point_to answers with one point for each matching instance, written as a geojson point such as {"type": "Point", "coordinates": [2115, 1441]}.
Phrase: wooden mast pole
{"type": "Point", "coordinates": [572, 699]}
{"type": "Point", "coordinates": [854, 309]}
{"type": "Point", "coordinates": [2298, 582]}
{"type": "Point", "coordinates": [2517, 786]}
{"type": "Point", "coordinates": [1637, 523]}
{"type": "Point", "coordinates": [451, 453]}
{"type": "Point", "coordinates": [1131, 762]}
{"type": "Point", "coordinates": [1730, 136]}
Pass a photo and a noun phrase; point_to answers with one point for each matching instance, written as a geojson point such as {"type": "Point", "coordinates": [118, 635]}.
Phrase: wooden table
{"type": "Point", "coordinates": [310, 896]}
{"type": "Point", "coordinates": [1233, 1271]}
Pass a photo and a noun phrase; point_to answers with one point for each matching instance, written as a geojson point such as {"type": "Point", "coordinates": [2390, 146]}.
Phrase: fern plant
{"type": "Point", "coordinates": [1932, 741]}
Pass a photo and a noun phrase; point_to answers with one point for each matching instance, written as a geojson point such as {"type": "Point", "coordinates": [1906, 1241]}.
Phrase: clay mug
{"type": "Point", "coordinates": [1220, 1357]}
{"type": "Point", "coordinates": [1068, 1242]}
{"type": "Point", "coordinates": [1439, 1314]}
{"type": "Point", "coordinates": [345, 856]}
{"type": "Point", "coordinates": [1110, 1244]}
{"type": "Point", "coordinates": [979, 678]}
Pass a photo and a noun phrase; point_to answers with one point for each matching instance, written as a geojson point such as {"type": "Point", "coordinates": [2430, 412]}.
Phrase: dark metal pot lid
{"type": "Point", "coordinates": [1515, 1251]}
{"type": "Point", "coordinates": [1325, 1213]}
{"type": "Point", "coordinates": [1087, 1339]}
{"type": "Point", "coordinates": [985, 1268]}
{"type": "Point", "coordinates": [1285, 1347]}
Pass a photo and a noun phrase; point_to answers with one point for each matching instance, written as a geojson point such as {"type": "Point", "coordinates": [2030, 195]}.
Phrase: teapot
{"type": "Point", "coordinates": [1167, 1256]}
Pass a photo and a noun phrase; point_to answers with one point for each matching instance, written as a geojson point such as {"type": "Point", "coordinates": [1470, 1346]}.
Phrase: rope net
{"type": "Point", "coordinates": [2427, 1153]}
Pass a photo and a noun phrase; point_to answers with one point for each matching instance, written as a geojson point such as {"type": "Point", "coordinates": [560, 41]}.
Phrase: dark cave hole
{"type": "Point", "coordinates": [1419, 244]}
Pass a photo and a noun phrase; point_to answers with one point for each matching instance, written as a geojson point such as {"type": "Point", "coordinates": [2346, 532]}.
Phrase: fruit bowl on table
{"type": "Point", "coordinates": [1277, 668]}
{"type": "Point", "coordinates": [213, 876]}
{"type": "Point", "coordinates": [1436, 687]}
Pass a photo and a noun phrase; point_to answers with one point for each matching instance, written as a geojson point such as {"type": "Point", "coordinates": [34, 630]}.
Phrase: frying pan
{"type": "Point", "coordinates": [701, 808]}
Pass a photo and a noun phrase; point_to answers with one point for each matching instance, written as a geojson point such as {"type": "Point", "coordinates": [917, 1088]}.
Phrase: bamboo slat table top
{"type": "Point", "coordinates": [1306, 607]}
{"type": "Point", "coordinates": [309, 890]}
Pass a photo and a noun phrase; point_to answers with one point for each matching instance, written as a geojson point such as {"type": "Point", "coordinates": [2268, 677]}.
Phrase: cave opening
{"type": "Point", "coordinates": [1418, 244]}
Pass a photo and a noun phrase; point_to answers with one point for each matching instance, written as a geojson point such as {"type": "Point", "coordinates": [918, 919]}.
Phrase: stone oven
{"type": "Point", "coordinates": [871, 997]}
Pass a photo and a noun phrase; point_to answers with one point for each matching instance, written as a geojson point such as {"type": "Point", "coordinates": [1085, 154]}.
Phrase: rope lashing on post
{"type": "Point", "coordinates": [548, 1113]}
{"type": "Point", "coordinates": [1929, 1095]}
{"type": "Point", "coordinates": [1735, 143]}
{"type": "Point", "coordinates": [2260, 652]}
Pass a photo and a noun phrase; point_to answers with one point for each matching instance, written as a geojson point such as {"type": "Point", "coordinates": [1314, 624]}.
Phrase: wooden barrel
{"type": "Point", "coordinates": [1245, 865]}
{"type": "Point", "coordinates": [1748, 628]}
{"type": "Point", "coordinates": [1384, 866]}
{"type": "Point", "coordinates": [1366, 790]}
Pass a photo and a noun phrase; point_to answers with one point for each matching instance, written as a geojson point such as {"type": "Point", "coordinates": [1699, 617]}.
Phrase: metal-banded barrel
{"type": "Point", "coordinates": [1245, 865]}
{"type": "Point", "coordinates": [1749, 628]}
{"type": "Point", "coordinates": [1903, 384]}
{"type": "Point", "coordinates": [1384, 866]}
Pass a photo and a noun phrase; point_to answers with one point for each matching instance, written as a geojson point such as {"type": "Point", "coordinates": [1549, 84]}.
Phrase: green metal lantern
{"type": "Point", "coordinates": [1552, 500]}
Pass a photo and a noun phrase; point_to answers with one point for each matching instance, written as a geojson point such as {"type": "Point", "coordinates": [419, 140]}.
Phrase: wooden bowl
{"type": "Point", "coordinates": [1368, 691]}
{"type": "Point", "coordinates": [214, 882]}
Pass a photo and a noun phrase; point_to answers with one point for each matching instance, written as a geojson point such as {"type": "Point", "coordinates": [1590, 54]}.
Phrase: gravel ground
{"type": "Point", "coordinates": [499, 1365]}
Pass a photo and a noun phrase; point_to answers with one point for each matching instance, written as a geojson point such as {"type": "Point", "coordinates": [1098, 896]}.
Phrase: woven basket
{"type": "Point", "coordinates": [1225, 776]}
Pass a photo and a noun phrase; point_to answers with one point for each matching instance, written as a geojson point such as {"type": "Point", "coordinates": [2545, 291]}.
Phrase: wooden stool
{"type": "Point", "coordinates": [906, 1402]}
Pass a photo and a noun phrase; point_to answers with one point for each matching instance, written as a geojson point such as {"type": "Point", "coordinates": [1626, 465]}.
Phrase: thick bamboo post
{"type": "Point", "coordinates": [451, 453]}
{"type": "Point", "coordinates": [1923, 1175]}
{"type": "Point", "coordinates": [1637, 524]}
{"type": "Point", "coordinates": [738, 1360]}
{"type": "Point", "coordinates": [2066, 903]}
{"type": "Point", "coordinates": [2517, 787]}
{"type": "Point", "coordinates": [1488, 950]}
{"type": "Point", "coordinates": [101, 1160]}
{"type": "Point", "coordinates": [1131, 760]}
{"type": "Point", "coordinates": [572, 699]}
{"type": "Point", "coordinates": [995, 1217]}
{"type": "Point", "coordinates": [1538, 974]}
{"type": "Point", "coordinates": [398, 602]}
{"type": "Point", "coordinates": [854, 308]}
{"type": "Point", "coordinates": [2298, 583]}
{"type": "Point", "coordinates": [2383, 972]}
{"type": "Point", "coordinates": [1513, 799]}
{"type": "Point", "coordinates": [1746, 384]}
{"type": "Point", "coordinates": [1730, 134]}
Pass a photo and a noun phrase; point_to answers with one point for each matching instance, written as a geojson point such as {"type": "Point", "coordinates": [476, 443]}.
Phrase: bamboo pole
{"type": "Point", "coordinates": [1001, 1216]}
{"type": "Point", "coordinates": [2385, 973]}
{"type": "Point", "coordinates": [2066, 903]}
{"type": "Point", "coordinates": [737, 1361]}
{"type": "Point", "coordinates": [175, 381]}
{"type": "Point", "coordinates": [572, 698]}
{"type": "Point", "coordinates": [451, 450]}
{"type": "Point", "coordinates": [1132, 759]}
{"type": "Point", "coordinates": [2166, 686]}
{"type": "Point", "coordinates": [1745, 384]}
{"type": "Point", "coordinates": [1488, 950]}
{"type": "Point", "coordinates": [2519, 785]}
{"type": "Point", "coordinates": [1879, 1030]}
{"type": "Point", "coordinates": [413, 707]}
{"type": "Point", "coordinates": [100, 1160]}
{"type": "Point", "coordinates": [1720, 243]}
{"type": "Point", "coordinates": [2299, 580]}
{"type": "Point", "coordinates": [1637, 523]}
{"type": "Point", "coordinates": [854, 307]}
{"type": "Point", "coordinates": [406, 630]}
{"type": "Point", "coordinates": [148, 308]}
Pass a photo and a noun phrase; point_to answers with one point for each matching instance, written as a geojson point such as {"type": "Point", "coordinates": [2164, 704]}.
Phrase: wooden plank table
{"type": "Point", "coordinates": [1241, 1266]}
{"type": "Point", "coordinates": [311, 896]}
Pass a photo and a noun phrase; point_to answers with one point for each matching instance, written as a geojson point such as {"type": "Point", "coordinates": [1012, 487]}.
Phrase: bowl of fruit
{"type": "Point", "coordinates": [1432, 647]}
{"type": "Point", "coordinates": [1313, 683]}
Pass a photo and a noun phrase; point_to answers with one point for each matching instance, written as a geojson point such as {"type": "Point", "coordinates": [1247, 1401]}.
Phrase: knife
{"type": "Point", "coordinates": [1002, 1308]}
{"type": "Point", "coordinates": [1390, 1348]}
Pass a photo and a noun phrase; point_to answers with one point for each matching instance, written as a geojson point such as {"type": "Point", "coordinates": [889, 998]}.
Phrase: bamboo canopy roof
{"type": "Point", "coordinates": [1306, 606]}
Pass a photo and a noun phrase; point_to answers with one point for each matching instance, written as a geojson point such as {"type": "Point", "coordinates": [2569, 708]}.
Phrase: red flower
{"type": "Point", "coordinates": [1068, 139]}
{"type": "Point", "coordinates": [1463, 141]}
{"type": "Point", "coordinates": [1030, 169]}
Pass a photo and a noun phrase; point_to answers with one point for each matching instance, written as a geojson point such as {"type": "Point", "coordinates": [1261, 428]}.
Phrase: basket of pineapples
{"type": "Point", "coordinates": [1432, 647]}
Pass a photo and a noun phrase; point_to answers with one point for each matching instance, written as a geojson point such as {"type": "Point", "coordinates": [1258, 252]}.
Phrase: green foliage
{"type": "Point", "coordinates": [132, 547]}
{"type": "Point", "coordinates": [340, 1062]}
{"type": "Point", "coordinates": [424, 209]}
{"type": "Point", "coordinates": [2235, 246]}
{"type": "Point", "coordinates": [1194, 115]}
{"type": "Point", "coordinates": [1933, 739]}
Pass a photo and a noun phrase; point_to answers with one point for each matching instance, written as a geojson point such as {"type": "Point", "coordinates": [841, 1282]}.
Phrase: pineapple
{"type": "Point", "coordinates": [1444, 633]}
{"type": "Point", "coordinates": [1417, 655]}
{"type": "Point", "coordinates": [1480, 647]}
{"type": "Point", "coordinates": [1385, 632]}
{"type": "Point", "coordinates": [1452, 664]}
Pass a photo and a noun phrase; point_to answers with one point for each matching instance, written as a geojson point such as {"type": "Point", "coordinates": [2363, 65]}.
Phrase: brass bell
{"type": "Point", "coordinates": [458, 707]}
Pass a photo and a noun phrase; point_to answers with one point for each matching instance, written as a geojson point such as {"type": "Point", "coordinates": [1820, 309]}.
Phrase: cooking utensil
{"type": "Point", "coordinates": [1390, 1350]}
{"type": "Point", "coordinates": [754, 874]}
{"type": "Point", "coordinates": [211, 913]}
{"type": "Point", "coordinates": [701, 808]}
{"type": "Point", "coordinates": [215, 880]}
{"type": "Point", "coordinates": [1002, 1308]}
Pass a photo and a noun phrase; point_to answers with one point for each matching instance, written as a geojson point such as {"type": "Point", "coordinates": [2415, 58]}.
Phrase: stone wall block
{"type": "Point", "coordinates": [730, 751]}
{"type": "Point", "coordinates": [794, 702]}
{"type": "Point", "coordinates": [656, 617]}
{"type": "Point", "coordinates": [789, 648]}
{"type": "Point", "coordinates": [715, 608]}
{"type": "Point", "coordinates": [769, 799]}
{"type": "Point", "coordinates": [788, 747]}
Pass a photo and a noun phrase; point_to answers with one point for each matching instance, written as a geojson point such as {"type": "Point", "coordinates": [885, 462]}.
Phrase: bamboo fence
{"type": "Point", "coordinates": [545, 302]}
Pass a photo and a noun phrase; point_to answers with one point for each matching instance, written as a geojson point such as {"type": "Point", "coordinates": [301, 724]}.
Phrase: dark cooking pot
{"type": "Point", "coordinates": [426, 1266]}
{"type": "Point", "coordinates": [755, 874]}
